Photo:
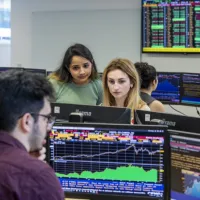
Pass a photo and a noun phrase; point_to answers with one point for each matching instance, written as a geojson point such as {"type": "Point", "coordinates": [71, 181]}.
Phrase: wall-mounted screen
{"type": "Point", "coordinates": [171, 26]}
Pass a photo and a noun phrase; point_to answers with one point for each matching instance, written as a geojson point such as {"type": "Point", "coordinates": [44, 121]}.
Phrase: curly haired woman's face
{"type": "Point", "coordinates": [80, 69]}
{"type": "Point", "coordinates": [118, 83]}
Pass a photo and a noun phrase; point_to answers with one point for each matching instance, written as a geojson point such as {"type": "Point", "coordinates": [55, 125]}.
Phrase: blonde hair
{"type": "Point", "coordinates": [133, 100]}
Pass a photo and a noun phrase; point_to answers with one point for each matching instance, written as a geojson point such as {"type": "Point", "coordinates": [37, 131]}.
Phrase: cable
{"type": "Point", "coordinates": [198, 111]}
{"type": "Point", "coordinates": [177, 110]}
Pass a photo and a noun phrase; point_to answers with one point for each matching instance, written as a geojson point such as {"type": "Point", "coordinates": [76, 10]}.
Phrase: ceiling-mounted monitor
{"type": "Point", "coordinates": [170, 26]}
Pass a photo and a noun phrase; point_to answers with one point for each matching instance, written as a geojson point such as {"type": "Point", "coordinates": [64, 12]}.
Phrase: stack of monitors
{"type": "Point", "coordinates": [119, 161]}
{"type": "Point", "coordinates": [185, 165]}
{"type": "Point", "coordinates": [171, 26]}
{"type": "Point", "coordinates": [185, 152]}
{"type": "Point", "coordinates": [178, 88]}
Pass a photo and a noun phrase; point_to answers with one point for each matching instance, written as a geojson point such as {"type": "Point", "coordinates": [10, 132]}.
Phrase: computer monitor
{"type": "Point", "coordinates": [2, 69]}
{"type": "Point", "coordinates": [100, 160]}
{"type": "Point", "coordinates": [36, 71]}
{"type": "Point", "coordinates": [176, 122]}
{"type": "Point", "coordinates": [96, 114]}
{"type": "Point", "coordinates": [185, 165]}
{"type": "Point", "coordinates": [190, 89]}
{"type": "Point", "coordinates": [49, 72]}
{"type": "Point", "coordinates": [168, 89]}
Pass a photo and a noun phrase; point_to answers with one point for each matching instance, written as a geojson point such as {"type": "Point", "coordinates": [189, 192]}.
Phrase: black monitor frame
{"type": "Point", "coordinates": [35, 70]}
{"type": "Point", "coordinates": [48, 73]}
{"type": "Point", "coordinates": [176, 122]}
{"type": "Point", "coordinates": [166, 157]}
{"type": "Point", "coordinates": [2, 69]}
{"type": "Point", "coordinates": [91, 113]}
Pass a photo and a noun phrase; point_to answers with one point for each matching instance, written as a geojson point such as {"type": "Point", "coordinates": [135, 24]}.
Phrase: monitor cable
{"type": "Point", "coordinates": [177, 110]}
{"type": "Point", "coordinates": [198, 111]}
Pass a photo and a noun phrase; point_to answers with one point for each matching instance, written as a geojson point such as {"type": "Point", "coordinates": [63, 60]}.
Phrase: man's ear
{"type": "Point", "coordinates": [26, 123]}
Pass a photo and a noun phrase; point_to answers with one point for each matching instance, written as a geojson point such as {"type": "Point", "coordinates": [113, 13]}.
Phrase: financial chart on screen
{"type": "Point", "coordinates": [168, 89]}
{"type": "Point", "coordinates": [103, 160]}
{"type": "Point", "coordinates": [171, 26]}
{"type": "Point", "coordinates": [191, 89]}
{"type": "Point", "coordinates": [185, 166]}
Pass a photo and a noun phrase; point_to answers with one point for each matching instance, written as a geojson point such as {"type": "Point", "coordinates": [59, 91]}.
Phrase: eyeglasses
{"type": "Point", "coordinates": [51, 119]}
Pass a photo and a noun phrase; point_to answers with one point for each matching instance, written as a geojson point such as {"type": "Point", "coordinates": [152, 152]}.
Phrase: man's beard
{"type": "Point", "coordinates": [35, 139]}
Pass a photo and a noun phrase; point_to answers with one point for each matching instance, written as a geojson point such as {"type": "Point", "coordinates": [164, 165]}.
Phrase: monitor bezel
{"type": "Point", "coordinates": [31, 70]}
{"type": "Point", "coordinates": [121, 126]}
{"type": "Point", "coordinates": [159, 52]}
{"type": "Point", "coordinates": [88, 116]}
{"type": "Point", "coordinates": [11, 68]}
{"type": "Point", "coordinates": [146, 122]}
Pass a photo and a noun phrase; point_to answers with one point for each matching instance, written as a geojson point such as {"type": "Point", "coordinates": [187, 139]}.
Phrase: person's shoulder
{"type": "Point", "coordinates": [145, 107]}
{"type": "Point", "coordinates": [40, 179]}
{"type": "Point", "coordinates": [97, 82]}
{"type": "Point", "coordinates": [54, 80]}
{"type": "Point", "coordinates": [157, 106]}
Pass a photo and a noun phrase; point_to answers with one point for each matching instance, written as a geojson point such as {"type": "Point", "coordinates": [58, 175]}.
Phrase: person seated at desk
{"type": "Point", "coordinates": [25, 119]}
{"type": "Point", "coordinates": [76, 81]}
{"type": "Point", "coordinates": [121, 86]}
{"type": "Point", "coordinates": [149, 83]}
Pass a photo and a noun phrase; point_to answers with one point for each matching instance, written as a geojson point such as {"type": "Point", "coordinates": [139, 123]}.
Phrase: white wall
{"type": "Point", "coordinates": [21, 52]}
{"type": "Point", "coordinates": [21, 20]}
{"type": "Point", "coordinates": [5, 57]}
{"type": "Point", "coordinates": [107, 33]}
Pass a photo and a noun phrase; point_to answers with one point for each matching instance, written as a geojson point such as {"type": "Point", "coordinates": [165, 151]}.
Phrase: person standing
{"type": "Point", "coordinates": [76, 81]}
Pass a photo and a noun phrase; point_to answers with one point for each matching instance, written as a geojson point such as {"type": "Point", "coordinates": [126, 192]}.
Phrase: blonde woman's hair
{"type": "Point", "coordinates": [133, 100]}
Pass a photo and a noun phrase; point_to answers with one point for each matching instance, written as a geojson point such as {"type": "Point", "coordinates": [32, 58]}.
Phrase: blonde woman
{"type": "Point", "coordinates": [121, 85]}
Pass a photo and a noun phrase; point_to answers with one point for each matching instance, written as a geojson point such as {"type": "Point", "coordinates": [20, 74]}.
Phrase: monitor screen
{"type": "Point", "coordinates": [36, 71]}
{"type": "Point", "coordinates": [168, 89]}
{"type": "Point", "coordinates": [176, 122]}
{"type": "Point", "coordinates": [122, 160]}
{"type": "Point", "coordinates": [98, 114]}
{"type": "Point", "coordinates": [49, 72]}
{"type": "Point", "coordinates": [3, 69]}
{"type": "Point", "coordinates": [185, 165]}
{"type": "Point", "coordinates": [190, 89]}
{"type": "Point", "coordinates": [171, 26]}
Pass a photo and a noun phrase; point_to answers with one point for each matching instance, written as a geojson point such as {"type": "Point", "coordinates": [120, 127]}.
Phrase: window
{"type": "Point", "coordinates": [5, 28]}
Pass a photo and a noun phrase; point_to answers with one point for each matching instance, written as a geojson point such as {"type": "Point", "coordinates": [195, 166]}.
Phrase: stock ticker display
{"type": "Point", "coordinates": [171, 26]}
{"type": "Point", "coordinates": [185, 167]}
{"type": "Point", "coordinates": [108, 161]}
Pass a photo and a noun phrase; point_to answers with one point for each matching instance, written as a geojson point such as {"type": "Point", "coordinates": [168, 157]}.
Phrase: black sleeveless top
{"type": "Point", "coordinates": [147, 98]}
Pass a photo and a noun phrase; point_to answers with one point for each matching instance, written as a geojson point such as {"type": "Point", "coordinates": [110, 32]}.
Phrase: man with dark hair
{"type": "Point", "coordinates": [149, 82]}
{"type": "Point", "coordinates": [25, 119]}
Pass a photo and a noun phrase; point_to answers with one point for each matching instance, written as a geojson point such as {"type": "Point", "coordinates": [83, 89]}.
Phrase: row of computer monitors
{"type": "Point", "coordinates": [173, 87]}
{"type": "Point", "coordinates": [121, 161]}
{"type": "Point", "coordinates": [37, 71]}
{"type": "Point", "coordinates": [178, 88]}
